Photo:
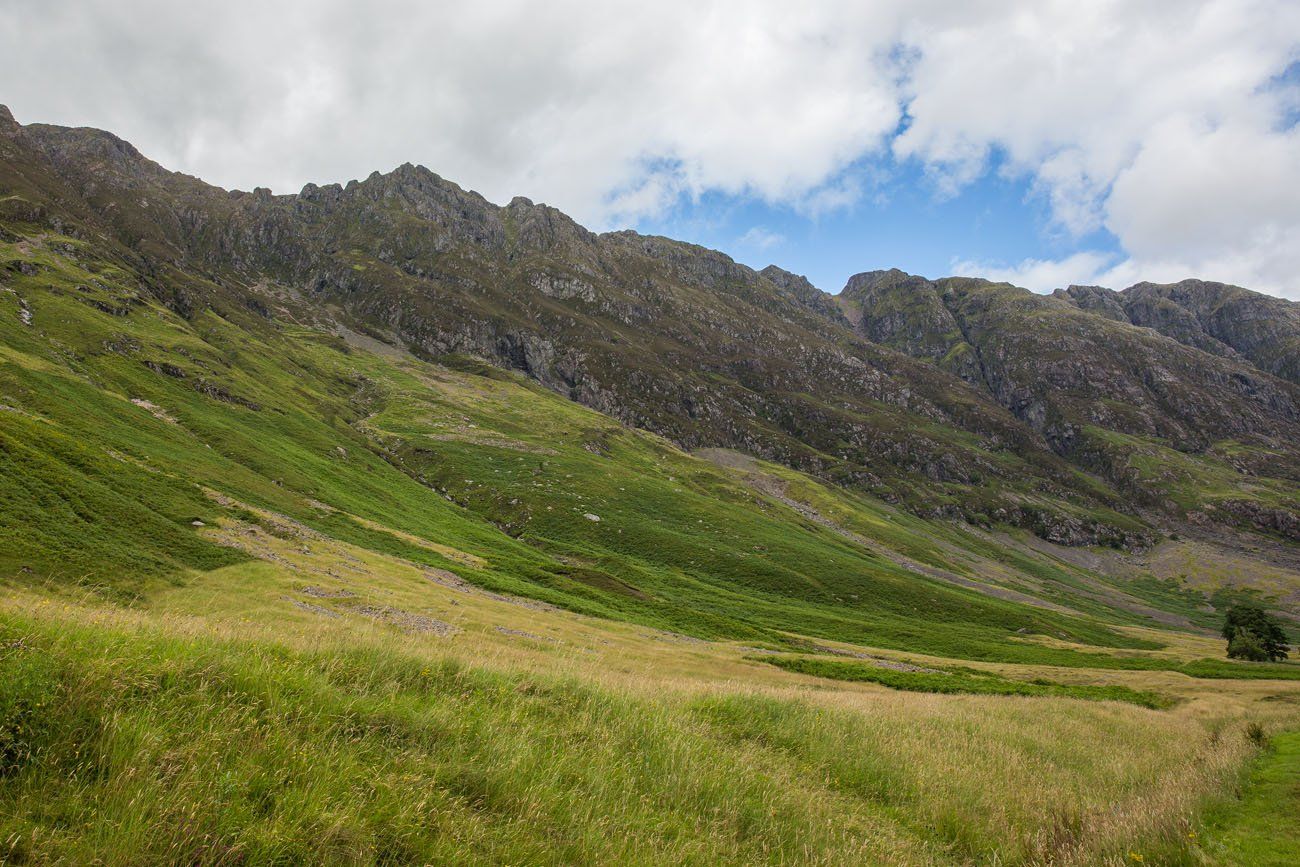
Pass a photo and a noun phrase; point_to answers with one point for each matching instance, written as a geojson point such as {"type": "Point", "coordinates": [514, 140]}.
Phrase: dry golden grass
{"type": "Point", "coordinates": [901, 777]}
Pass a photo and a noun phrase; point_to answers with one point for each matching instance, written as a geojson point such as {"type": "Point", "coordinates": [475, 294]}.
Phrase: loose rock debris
{"type": "Point", "coordinates": [506, 630]}
{"type": "Point", "coordinates": [406, 621]}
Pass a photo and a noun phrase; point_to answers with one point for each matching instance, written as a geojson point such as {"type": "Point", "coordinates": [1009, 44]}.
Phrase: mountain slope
{"type": "Point", "coordinates": [1220, 319]}
{"type": "Point", "coordinates": [1185, 430]}
{"type": "Point", "coordinates": [954, 399]}
{"type": "Point", "coordinates": [124, 423]}
{"type": "Point", "coordinates": [379, 524]}
{"type": "Point", "coordinates": [659, 334]}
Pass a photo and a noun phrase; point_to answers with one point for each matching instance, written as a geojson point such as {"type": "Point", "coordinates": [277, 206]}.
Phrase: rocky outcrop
{"type": "Point", "coordinates": [1223, 319]}
{"type": "Point", "coordinates": [908, 313]}
{"type": "Point", "coordinates": [1074, 368]}
{"type": "Point", "coordinates": [797, 287]}
{"type": "Point", "coordinates": [1073, 359]}
{"type": "Point", "coordinates": [1270, 519]}
{"type": "Point", "coordinates": [1095, 299]}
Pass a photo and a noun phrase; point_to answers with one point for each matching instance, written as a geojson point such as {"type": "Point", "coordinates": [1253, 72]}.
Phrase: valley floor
{"type": "Point", "coordinates": [267, 712]}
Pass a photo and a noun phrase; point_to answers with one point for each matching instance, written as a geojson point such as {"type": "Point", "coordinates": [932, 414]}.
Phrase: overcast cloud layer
{"type": "Point", "coordinates": [1170, 125]}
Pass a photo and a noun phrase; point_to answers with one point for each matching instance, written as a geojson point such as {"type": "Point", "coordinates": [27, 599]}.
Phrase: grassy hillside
{"type": "Point", "coordinates": [274, 589]}
{"type": "Point", "coordinates": [684, 341]}
{"type": "Point", "coordinates": [124, 425]}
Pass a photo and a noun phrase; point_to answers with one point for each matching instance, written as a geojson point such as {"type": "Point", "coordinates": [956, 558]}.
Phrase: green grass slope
{"type": "Point", "coordinates": [124, 424]}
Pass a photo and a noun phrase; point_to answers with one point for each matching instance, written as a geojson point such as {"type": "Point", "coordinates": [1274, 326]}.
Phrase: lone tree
{"type": "Point", "coordinates": [1252, 633]}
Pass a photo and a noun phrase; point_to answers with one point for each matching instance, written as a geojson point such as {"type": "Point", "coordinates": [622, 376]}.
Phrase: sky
{"type": "Point", "coordinates": [1040, 142]}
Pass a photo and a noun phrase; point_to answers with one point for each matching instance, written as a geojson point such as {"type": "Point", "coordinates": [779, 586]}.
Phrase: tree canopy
{"type": "Point", "coordinates": [1252, 633]}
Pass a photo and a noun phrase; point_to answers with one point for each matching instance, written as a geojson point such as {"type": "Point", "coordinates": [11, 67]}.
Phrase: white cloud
{"type": "Point", "coordinates": [1154, 120]}
{"type": "Point", "coordinates": [759, 238]}
{"type": "Point", "coordinates": [1041, 275]}
{"type": "Point", "coordinates": [611, 110]}
{"type": "Point", "coordinates": [1215, 203]}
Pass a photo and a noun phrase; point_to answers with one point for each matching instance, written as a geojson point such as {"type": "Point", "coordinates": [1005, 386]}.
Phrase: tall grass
{"type": "Point", "coordinates": [127, 742]}
{"type": "Point", "coordinates": [138, 748]}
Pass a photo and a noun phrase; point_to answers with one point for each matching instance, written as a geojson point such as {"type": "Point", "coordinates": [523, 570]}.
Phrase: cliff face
{"type": "Point", "coordinates": [1263, 329]}
{"type": "Point", "coordinates": [1213, 317]}
{"type": "Point", "coordinates": [953, 397]}
{"type": "Point", "coordinates": [1076, 359]}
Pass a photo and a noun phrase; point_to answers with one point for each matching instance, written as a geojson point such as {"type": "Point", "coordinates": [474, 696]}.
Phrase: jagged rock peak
{"type": "Point", "coordinates": [1222, 319]}
{"type": "Point", "coordinates": [92, 150]}
{"type": "Point", "coordinates": [907, 313]}
{"type": "Point", "coordinates": [414, 179]}
{"type": "Point", "coordinates": [1095, 299]}
{"type": "Point", "coordinates": [868, 282]}
{"type": "Point", "coordinates": [801, 289]}
{"type": "Point", "coordinates": [787, 279]}
{"type": "Point", "coordinates": [796, 284]}
{"type": "Point", "coordinates": [313, 193]}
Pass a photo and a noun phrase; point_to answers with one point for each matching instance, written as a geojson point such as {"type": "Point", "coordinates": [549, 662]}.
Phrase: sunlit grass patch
{"type": "Point", "coordinates": [968, 681]}
{"type": "Point", "coordinates": [1261, 828]}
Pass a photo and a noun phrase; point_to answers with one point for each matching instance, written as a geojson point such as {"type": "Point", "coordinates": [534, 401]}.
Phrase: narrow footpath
{"type": "Point", "coordinates": [1263, 828]}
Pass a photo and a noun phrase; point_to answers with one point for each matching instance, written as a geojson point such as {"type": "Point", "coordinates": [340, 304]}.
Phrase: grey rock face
{"type": "Point", "coordinates": [1072, 367]}
{"type": "Point", "coordinates": [1095, 299]}
{"type": "Point", "coordinates": [1223, 319]}
{"type": "Point", "coordinates": [909, 313]}
{"type": "Point", "coordinates": [797, 287]}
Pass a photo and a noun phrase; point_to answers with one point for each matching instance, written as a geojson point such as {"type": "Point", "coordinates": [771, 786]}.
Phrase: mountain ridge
{"type": "Point", "coordinates": [917, 391]}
